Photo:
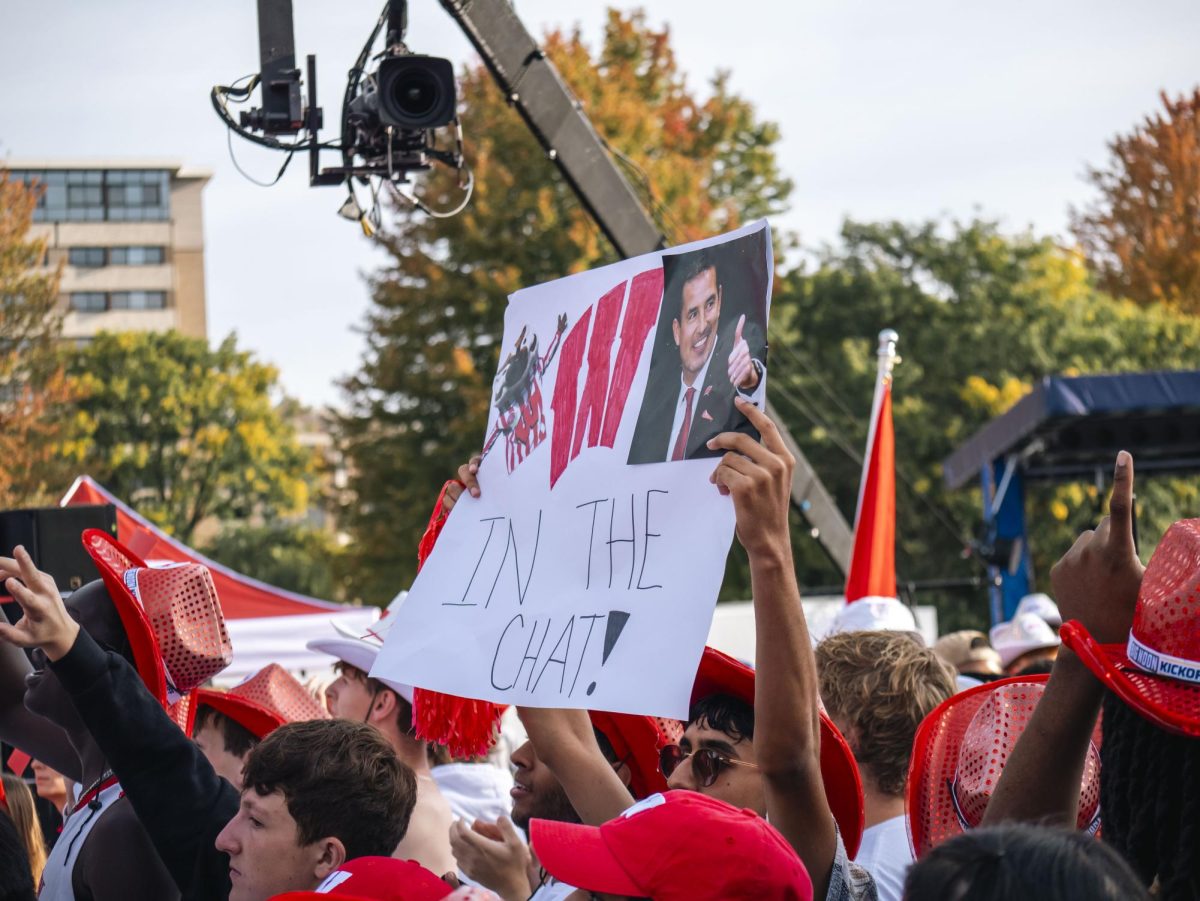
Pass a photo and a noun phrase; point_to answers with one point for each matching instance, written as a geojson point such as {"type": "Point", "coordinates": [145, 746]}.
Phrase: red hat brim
{"type": "Point", "coordinates": [1168, 703]}
{"type": "Point", "coordinates": [253, 717]}
{"type": "Point", "coordinates": [147, 658]}
{"type": "Point", "coordinates": [577, 855]}
{"type": "Point", "coordinates": [636, 740]}
{"type": "Point", "coordinates": [931, 813]}
{"type": "Point", "coordinates": [721, 674]}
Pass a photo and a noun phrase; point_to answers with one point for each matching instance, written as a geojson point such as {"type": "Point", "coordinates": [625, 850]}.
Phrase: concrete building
{"type": "Point", "coordinates": [130, 236]}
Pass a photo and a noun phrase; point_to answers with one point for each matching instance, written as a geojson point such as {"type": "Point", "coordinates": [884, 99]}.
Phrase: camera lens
{"type": "Point", "coordinates": [415, 93]}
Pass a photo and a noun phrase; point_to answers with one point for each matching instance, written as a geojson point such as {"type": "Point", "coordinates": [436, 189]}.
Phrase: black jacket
{"type": "Point", "coordinates": [181, 801]}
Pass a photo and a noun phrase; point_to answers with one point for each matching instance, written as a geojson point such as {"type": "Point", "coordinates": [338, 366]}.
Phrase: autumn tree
{"type": "Point", "coordinates": [183, 431]}
{"type": "Point", "coordinates": [33, 390]}
{"type": "Point", "coordinates": [982, 316]}
{"type": "Point", "coordinates": [1142, 236]}
{"type": "Point", "coordinates": [419, 403]}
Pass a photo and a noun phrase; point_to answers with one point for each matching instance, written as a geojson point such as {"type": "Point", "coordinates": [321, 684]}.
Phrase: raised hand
{"type": "Point", "coordinates": [46, 623]}
{"type": "Point", "coordinates": [759, 478]}
{"type": "Point", "coordinates": [493, 855]}
{"type": "Point", "coordinates": [742, 372]}
{"type": "Point", "coordinates": [468, 474]}
{"type": "Point", "coordinates": [1097, 580]}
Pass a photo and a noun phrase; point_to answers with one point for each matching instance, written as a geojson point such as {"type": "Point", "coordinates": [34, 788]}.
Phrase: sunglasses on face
{"type": "Point", "coordinates": [707, 763]}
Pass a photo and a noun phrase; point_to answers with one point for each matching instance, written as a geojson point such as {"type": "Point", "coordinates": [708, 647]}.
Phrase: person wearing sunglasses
{"type": "Point", "coordinates": [776, 753]}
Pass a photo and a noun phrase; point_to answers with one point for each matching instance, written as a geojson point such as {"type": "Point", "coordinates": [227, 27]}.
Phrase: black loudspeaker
{"type": "Point", "coordinates": [51, 535]}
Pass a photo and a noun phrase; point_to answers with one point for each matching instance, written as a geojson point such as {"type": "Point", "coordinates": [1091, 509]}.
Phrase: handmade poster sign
{"type": "Point", "coordinates": [586, 573]}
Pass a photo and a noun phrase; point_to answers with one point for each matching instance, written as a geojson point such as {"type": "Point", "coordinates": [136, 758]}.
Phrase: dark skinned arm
{"type": "Point", "coordinates": [787, 738]}
{"type": "Point", "coordinates": [1096, 582]}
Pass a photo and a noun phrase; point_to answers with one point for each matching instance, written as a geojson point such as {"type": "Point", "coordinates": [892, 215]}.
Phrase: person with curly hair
{"type": "Point", "coordinates": [1131, 647]}
{"type": "Point", "coordinates": [877, 687]}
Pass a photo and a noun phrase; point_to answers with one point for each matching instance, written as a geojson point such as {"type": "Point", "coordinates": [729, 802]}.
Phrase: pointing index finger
{"type": "Point", "coordinates": [771, 438]}
{"type": "Point", "coordinates": [1120, 505]}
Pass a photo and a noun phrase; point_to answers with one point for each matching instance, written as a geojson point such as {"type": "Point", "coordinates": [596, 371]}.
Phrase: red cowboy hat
{"type": "Point", "coordinates": [1157, 672]}
{"type": "Point", "coordinates": [959, 752]}
{"type": "Point", "coordinates": [264, 702]}
{"type": "Point", "coordinates": [721, 674]}
{"type": "Point", "coordinates": [171, 615]}
{"type": "Point", "coordinates": [636, 740]}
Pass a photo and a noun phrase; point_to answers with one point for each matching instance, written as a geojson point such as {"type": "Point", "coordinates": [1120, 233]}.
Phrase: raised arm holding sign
{"type": "Point", "coordinates": [556, 586]}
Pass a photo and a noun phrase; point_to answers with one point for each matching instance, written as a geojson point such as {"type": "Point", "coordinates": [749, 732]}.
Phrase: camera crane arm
{"type": "Point", "coordinates": [532, 85]}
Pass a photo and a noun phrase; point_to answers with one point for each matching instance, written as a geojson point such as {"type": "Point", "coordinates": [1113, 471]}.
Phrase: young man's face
{"type": "Point", "coordinates": [211, 741]}
{"type": "Point", "coordinates": [696, 328]}
{"type": "Point", "coordinates": [265, 854]}
{"type": "Point", "coordinates": [536, 794]}
{"type": "Point", "coordinates": [349, 697]}
{"type": "Point", "coordinates": [740, 786]}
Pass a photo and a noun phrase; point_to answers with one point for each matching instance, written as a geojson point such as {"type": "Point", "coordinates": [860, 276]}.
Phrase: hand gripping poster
{"type": "Point", "coordinates": [586, 573]}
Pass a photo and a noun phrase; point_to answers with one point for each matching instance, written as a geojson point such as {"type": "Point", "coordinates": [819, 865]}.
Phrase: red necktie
{"type": "Point", "coordinates": [681, 441]}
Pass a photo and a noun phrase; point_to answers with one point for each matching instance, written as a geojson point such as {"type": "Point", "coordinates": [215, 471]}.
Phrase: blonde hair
{"type": "Point", "coordinates": [24, 817]}
{"type": "Point", "coordinates": [879, 686]}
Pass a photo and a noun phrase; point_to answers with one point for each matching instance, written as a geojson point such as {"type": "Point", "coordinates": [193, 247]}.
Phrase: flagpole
{"type": "Point", "coordinates": [887, 358]}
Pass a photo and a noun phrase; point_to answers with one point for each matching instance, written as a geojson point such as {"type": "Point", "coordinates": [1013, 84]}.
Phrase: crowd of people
{"type": "Point", "coordinates": [1056, 758]}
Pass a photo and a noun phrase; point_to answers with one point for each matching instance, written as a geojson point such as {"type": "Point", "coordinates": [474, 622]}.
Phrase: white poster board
{"type": "Point", "coordinates": [587, 572]}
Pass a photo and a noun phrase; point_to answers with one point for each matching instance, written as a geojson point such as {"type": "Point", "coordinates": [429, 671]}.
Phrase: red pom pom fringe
{"type": "Point", "coordinates": [467, 727]}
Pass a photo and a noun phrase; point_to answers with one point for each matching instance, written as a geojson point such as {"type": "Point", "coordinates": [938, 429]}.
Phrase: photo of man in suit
{"type": "Point", "coordinates": [710, 346]}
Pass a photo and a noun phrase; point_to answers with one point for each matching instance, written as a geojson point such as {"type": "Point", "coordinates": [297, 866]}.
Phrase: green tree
{"type": "Point", "coordinates": [981, 317]}
{"type": "Point", "coordinates": [292, 556]}
{"type": "Point", "coordinates": [418, 405]}
{"type": "Point", "coordinates": [1142, 235]}
{"type": "Point", "coordinates": [33, 391]}
{"type": "Point", "coordinates": [185, 432]}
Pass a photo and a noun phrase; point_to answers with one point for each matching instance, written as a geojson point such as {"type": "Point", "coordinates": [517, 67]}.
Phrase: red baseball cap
{"type": "Point", "coordinates": [375, 879]}
{"type": "Point", "coordinates": [635, 740]}
{"type": "Point", "coordinates": [721, 674]}
{"type": "Point", "coordinates": [675, 845]}
{"type": "Point", "coordinates": [1157, 672]}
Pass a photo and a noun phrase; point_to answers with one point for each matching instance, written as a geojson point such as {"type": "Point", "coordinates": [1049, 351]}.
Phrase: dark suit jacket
{"type": "Point", "coordinates": [713, 410]}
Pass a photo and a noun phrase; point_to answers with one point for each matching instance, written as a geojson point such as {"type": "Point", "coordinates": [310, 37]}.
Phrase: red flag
{"type": "Point", "coordinates": [873, 565]}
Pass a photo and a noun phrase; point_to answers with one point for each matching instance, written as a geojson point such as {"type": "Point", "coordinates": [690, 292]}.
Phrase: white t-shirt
{"type": "Point", "coordinates": [885, 853]}
{"type": "Point", "coordinates": [475, 791]}
{"type": "Point", "coordinates": [552, 890]}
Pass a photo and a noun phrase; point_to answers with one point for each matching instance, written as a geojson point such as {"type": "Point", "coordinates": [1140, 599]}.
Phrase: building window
{"type": "Point", "coordinates": [95, 195]}
{"type": "Point", "coordinates": [136, 256]}
{"type": "Point", "coordinates": [138, 300]}
{"type": "Point", "coordinates": [89, 301]}
{"type": "Point", "coordinates": [86, 257]}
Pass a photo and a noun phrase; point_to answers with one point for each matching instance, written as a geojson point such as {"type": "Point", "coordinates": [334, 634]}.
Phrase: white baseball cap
{"type": "Point", "coordinates": [360, 651]}
{"type": "Point", "coordinates": [1040, 605]}
{"type": "Point", "coordinates": [874, 614]}
{"type": "Point", "coordinates": [1020, 635]}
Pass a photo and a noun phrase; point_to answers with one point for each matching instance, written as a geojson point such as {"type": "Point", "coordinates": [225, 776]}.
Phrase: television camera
{"type": "Point", "coordinates": [396, 106]}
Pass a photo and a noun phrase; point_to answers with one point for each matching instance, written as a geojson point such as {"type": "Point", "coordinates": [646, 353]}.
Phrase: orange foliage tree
{"type": "Point", "coordinates": [1142, 237]}
{"type": "Point", "coordinates": [33, 390]}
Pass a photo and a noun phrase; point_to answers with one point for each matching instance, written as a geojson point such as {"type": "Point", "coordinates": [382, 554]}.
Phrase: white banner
{"type": "Point", "coordinates": [586, 574]}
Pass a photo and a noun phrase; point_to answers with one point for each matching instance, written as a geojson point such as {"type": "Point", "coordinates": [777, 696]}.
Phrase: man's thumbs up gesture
{"type": "Point", "coordinates": [743, 373]}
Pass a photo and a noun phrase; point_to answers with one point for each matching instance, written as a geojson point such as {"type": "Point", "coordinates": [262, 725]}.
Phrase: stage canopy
{"type": "Point", "coordinates": [1067, 427]}
{"type": "Point", "coordinates": [1070, 428]}
{"type": "Point", "coordinates": [266, 624]}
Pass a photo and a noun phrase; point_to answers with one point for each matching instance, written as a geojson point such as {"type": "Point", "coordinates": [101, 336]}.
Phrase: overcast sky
{"type": "Point", "coordinates": [888, 110]}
